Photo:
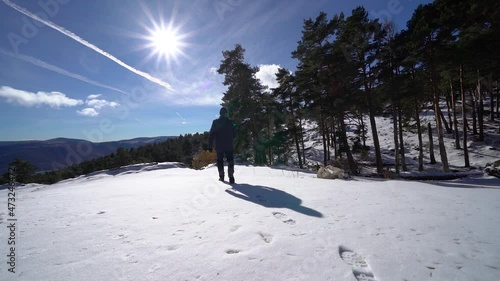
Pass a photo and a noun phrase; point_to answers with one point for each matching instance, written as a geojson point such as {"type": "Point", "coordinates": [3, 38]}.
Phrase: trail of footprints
{"type": "Point", "coordinates": [360, 267]}
{"type": "Point", "coordinates": [266, 237]}
{"type": "Point", "coordinates": [284, 218]}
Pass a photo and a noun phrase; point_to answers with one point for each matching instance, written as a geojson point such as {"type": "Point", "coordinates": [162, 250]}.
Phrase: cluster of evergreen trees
{"type": "Point", "coordinates": [179, 149]}
{"type": "Point", "coordinates": [353, 66]}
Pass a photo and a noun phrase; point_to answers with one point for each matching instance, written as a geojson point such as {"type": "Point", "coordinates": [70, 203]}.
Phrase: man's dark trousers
{"type": "Point", "coordinates": [230, 163]}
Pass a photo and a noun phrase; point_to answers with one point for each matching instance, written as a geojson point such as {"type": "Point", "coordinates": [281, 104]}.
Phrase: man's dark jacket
{"type": "Point", "coordinates": [223, 131]}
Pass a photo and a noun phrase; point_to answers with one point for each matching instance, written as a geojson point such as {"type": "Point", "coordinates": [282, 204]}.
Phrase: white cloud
{"type": "Point", "coordinates": [90, 112]}
{"type": "Point", "coordinates": [28, 99]}
{"type": "Point", "coordinates": [267, 75]}
{"type": "Point", "coordinates": [94, 105]}
{"type": "Point", "coordinates": [99, 104]}
{"type": "Point", "coordinates": [91, 97]}
{"type": "Point", "coordinates": [213, 70]}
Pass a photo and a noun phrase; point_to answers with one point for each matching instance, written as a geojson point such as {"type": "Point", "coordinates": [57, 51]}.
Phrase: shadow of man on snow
{"type": "Point", "coordinates": [271, 198]}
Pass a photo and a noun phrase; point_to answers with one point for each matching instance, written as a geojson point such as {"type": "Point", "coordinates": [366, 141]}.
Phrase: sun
{"type": "Point", "coordinates": [164, 38]}
{"type": "Point", "coordinates": [165, 42]}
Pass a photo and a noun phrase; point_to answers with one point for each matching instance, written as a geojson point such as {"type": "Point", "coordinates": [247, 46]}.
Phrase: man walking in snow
{"type": "Point", "coordinates": [223, 132]}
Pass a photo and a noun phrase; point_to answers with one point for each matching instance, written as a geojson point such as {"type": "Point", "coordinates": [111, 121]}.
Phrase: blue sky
{"type": "Point", "coordinates": [120, 69]}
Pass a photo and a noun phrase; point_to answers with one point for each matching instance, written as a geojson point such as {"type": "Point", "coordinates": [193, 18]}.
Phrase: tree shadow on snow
{"type": "Point", "coordinates": [484, 183]}
{"type": "Point", "coordinates": [133, 169]}
{"type": "Point", "coordinates": [271, 198]}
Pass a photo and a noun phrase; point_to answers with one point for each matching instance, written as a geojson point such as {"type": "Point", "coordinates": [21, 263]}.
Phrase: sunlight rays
{"type": "Point", "coordinates": [164, 40]}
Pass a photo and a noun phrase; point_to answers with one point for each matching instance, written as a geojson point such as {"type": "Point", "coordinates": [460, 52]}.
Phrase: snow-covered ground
{"type": "Point", "coordinates": [166, 222]}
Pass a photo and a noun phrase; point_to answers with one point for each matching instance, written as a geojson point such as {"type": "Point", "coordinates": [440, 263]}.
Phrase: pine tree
{"type": "Point", "coordinates": [291, 103]}
{"type": "Point", "coordinates": [244, 100]}
{"type": "Point", "coordinates": [423, 27]}
{"type": "Point", "coordinates": [23, 170]}
{"type": "Point", "coordinates": [360, 38]}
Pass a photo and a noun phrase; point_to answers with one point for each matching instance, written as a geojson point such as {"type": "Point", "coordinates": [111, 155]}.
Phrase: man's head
{"type": "Point", "coordinates": [223, 112]}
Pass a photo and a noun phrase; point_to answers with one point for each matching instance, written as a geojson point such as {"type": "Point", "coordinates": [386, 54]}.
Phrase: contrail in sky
{"type": "Point", "coordinates": [57, 69]}
{"type": "Point", "coordinates": [88, 44]}
{"type": "Point", "coordinates": [183, 122]}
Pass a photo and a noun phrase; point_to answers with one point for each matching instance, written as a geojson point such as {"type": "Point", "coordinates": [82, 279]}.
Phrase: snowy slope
{"type": "Point", "coordinates": [480, 153]}
{"type": "Point", "coordinates": [165, 222]}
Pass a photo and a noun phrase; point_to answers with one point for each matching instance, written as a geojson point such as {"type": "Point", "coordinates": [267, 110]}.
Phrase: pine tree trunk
{"type": "Point", "coordinates": [270, 149]}
{"type": "Point", "coordinates": [363, 131]}
{"type": "Point", "coordinates": [438, 115]}
{"type": "Point", "coordinates": [298, 151]}
{"type": "Point", "coordinates": [492, 104]}
{"type": "Point", "coordinates": [296, 138]}
{"type": "Point", "coordinates": [480, 111]}
{"type": "Point", "coordinates": [302, 142]}
{"type": "Point", "coordinates": [431, 144]}
{"type": "Point", "coordinates": [474, 119]}
{"type": "Point", "coordinates": [378, 155]}
{"type": "Point", "coordinates": [376, 144]}
{"type": "Point", "coordinates": [373, 123]}
{"type": "Point", "coordinates": [327, 141]}
{"type": "Point", "coordinates": [395, 132]}
{"type": "Point", "coordinates": [352, 164]}
{"type": "Point", "coordinates": [334, 139]}
{"type": "Point", "coordinates": [297, 146]}
{"type": "Point", "coordinates": [455, 122]}
{"type": "Point", "coordinates": [259, 148]}
{"type": "Point", "coordinates": [437, 112]}
{"type": "Point", "coordinates": [450, 121]}
{"type": "Point", "coordinates": [445, 123]}
{"type": "Point", "coordinates": [401, 142]}
{"type": "Point", "coordinates": [498, 101]}
{"type": "Point", "coordinates": [335, 145]}
{"type": "Point", "coordinates": [420, 142]}
{"type": "Point", "coordinates": [464, 116]}
{"type": "Point", "coordinates": [323, 137]}
{"type": "Point", "coordinates": [439, 128]}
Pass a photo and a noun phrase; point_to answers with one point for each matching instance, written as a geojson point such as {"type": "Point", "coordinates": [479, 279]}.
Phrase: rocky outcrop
{"type": "Point", "coordinates": [330, 172]}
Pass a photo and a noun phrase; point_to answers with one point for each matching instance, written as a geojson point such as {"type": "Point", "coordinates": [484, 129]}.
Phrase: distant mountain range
{"type": "Point", "coordinates": [62, 152]}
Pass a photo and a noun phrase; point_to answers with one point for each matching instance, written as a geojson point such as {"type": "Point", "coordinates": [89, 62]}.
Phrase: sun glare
{"type": "Point", "coordinates": [165, 42]}
{"type": "Point", "coordinates": [163, 38]}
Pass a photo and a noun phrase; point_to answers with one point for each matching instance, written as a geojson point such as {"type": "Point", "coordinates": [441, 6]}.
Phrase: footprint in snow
{"type": "Point", "coordinates": [173, 247]}
{"type": "Point", "coordinates": [232, 251]}
{"type": "Point", "coordinates": [360, 267]}
{"type": "Point", "coordinates": [234, 228]}
{"type": "Point", "coordinates": [266, 237]}
{"type": "Point", "coordinates": [130, 258]}
{"type": "Point", "coordinates": [154, 268]}
{"type": "Point", "coordinates": [120, 236]}
{"type": "Point", "coordinates": [284, 218]}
